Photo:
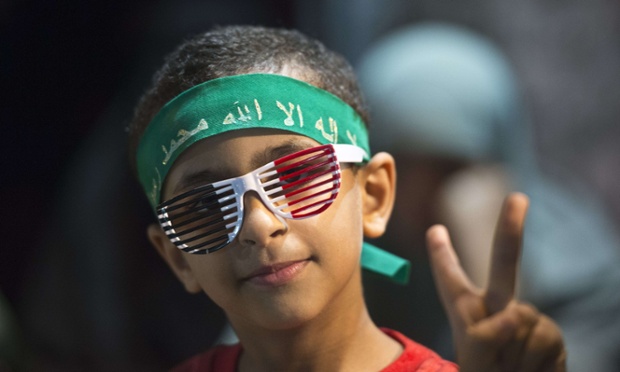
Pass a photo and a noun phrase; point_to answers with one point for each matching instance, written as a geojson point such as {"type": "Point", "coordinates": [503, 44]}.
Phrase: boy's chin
{"type": "Point", "coordinates": [287, 308]}
{"type": "Point", "coordinates": [280, 317]}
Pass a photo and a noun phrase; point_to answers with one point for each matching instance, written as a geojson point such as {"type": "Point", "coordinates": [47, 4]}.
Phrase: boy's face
{"type": "Point", "coordinates": [277, 273]}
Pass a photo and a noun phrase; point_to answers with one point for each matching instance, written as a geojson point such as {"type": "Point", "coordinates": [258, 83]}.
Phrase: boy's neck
{"type": "Point", "coordinates": [342, 338]}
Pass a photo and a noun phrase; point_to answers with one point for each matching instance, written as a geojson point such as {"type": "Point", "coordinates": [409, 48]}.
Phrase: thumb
{"type": "Point", "coordinates": [484, 341]}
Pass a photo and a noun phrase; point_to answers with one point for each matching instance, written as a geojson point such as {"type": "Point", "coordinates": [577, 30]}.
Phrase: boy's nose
{"type": "Point", "coordinates": [260, 225]}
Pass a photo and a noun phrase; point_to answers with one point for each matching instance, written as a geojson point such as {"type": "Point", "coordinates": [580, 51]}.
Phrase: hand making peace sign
{"type": "Point", "coordinates": [492, 331]}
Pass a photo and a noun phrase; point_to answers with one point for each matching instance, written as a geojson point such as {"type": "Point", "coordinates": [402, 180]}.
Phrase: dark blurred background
{"type": "Point", "coordinates": [84, 289]}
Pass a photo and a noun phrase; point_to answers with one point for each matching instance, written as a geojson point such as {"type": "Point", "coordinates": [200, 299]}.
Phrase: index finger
{"type": "Point", "coordinates": [450, 278]}
{"type": "Point", "coordinates": [506, 252]}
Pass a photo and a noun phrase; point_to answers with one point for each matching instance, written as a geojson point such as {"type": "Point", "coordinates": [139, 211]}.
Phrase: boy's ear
{"type": "Point", "coordinates": [379, 190]}
{"type": "Point", "coordinates": [174, 257]}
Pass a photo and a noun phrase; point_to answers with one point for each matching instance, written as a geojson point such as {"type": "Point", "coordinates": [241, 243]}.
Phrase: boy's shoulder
{"type": "Point", "coordinates": [415, 357]}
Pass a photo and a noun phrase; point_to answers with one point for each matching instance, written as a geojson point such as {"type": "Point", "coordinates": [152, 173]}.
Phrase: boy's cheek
{"type": "Point", "coordinates": [215, 277]}
{"type": "Point", "coordinates": [342, 222]}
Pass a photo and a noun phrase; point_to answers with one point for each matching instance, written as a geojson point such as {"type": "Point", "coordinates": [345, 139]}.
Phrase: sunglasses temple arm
{"type": "Point", "coordinates": [349, 153]}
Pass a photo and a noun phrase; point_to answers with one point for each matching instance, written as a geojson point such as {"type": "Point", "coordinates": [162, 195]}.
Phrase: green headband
{"type": "Point", "coordinates": [254, 101]}
{"type": "Point", "coordinates": [241, 102]}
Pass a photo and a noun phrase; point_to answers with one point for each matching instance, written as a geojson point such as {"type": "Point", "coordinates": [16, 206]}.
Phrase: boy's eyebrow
{"type": "Point", "coordinates": [272, 153]}
{"type": "Point", "coordinates": [202, 177]}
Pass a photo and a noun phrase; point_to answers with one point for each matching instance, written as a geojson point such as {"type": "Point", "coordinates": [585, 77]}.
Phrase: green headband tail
{"type": "Point", "coordinates": [385, 263]}
{"type": "Point", "coordinates": [253, 101]}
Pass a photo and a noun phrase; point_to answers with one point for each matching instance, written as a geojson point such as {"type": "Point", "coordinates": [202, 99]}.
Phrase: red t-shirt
{"type": "Point", "coordinates": [415, 358]}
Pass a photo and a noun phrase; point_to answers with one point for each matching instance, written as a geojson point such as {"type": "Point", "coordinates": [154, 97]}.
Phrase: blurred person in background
{"type": "Point", "coordinates": [447, 104]}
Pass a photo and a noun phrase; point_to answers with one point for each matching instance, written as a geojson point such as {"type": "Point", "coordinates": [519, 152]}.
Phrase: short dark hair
{"type": "Point", "coordinates": [234, 50]}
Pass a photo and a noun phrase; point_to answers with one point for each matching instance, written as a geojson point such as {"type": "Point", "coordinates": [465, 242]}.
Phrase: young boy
{"type": "Point", "coordinates": [252, 147]}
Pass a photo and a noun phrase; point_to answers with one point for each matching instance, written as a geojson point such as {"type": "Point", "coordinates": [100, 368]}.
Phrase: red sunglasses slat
{"type": "Point", "coordinates": [324, 148]}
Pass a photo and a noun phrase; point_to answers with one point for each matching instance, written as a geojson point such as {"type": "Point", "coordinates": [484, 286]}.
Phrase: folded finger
{"type": "Point", "coordinates": [487, 339]}
{"type": "Point", "coordinates": [526, 318]}
{"type": "Point", "coordinates": [544, 349]}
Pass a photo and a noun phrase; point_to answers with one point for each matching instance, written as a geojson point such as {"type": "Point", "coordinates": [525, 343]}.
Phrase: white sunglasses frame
{"type": "Point", "coordinates": [340, 153]}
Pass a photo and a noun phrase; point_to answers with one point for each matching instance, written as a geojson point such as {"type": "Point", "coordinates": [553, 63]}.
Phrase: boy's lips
{"type": "Point", "coordinates": [277, 274]}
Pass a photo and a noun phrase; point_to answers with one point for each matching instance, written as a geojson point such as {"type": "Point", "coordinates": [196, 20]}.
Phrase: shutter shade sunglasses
{"type": "Point", "coordinates": [296, 186]}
